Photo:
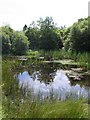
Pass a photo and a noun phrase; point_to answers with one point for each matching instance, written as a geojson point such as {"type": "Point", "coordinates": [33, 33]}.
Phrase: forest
{"type": "Point", "coordinates": [45, 35]}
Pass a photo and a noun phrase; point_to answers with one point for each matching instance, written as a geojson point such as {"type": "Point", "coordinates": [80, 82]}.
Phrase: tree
{"type": "Point", "coordinates": [76, 38]}
{"type": "Point", "coordinates": [6, 45]}
{"type": "Point", "coordinates": [6, 33]}
{"type": "Point", "coordinates": [43, 35]}
{"type": "Point", "coordinates": [25, 27]}
{"type": "Point", "coordinates": [80, 36]}
{"type": "Point", "coordinates": [49, 39]}
{"type": "Point", "coordinates": [66, 38]}
{"type": "Point", "coordinates": [33, 37]}
{"type": "Point", "coordinates": [13, 42]}
{"type": "Point", "coordinates": [20, 44]}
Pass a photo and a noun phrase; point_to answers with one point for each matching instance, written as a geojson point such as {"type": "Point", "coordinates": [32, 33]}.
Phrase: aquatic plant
{"type": "Point", "coordinates": [15, 105]}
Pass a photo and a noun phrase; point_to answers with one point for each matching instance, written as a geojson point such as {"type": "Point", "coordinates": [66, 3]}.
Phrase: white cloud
{"type": "Point", "coordinates": [20, 12]}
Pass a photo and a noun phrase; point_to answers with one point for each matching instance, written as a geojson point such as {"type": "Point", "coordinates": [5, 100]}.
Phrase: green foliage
{"type": "Point", "coordinates": [77, 37]}
{"type": "Point", "coordinates": [50, 39]}
{"type": "Point", "coordinates": [67, 44]}
{"type": "Point", "coordinates": [44, 35]}
{"type": "Point", "coordinates": [6, 45]}
{"type": "Point", "coordinates": [14, 106]}
{"type": "Point", "coordinates": [80, 36]}
{"type": "Point", "coordinates": [81, 59]}
{"type": "Point", "coordinates": [33, 37]}
{"type": "Point", "coordinates": [48, 109]}
{"type": "Point", "coordinates": [6, 33]}
{"type": "Point", "coordinates": [20, 44]}
{"type": "Point", "coordinates": [13, 42]}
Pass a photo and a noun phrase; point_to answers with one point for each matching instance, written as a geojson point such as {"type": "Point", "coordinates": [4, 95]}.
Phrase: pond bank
{"type": "Point", "coordinates": [13, 107]}
{"type": "Point", "coordinates": [73, 71]}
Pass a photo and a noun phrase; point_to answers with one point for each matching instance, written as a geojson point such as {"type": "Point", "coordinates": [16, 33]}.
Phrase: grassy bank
{"type": "Point", "coordinates": [15, 107]}
{"type": "Point", "coordinates": [47, 109]}
{"type": "Point", "coordinates": [82, 59]}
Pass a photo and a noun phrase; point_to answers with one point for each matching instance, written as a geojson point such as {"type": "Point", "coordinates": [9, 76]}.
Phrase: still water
{"type": "Point", "coordinates": [49, 81]}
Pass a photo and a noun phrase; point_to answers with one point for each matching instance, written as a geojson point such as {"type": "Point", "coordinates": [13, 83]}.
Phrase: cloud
{"type": "Point", "coordinates": [20, 12]}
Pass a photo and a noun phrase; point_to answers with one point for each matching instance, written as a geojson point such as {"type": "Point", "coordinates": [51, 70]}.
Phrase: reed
{"type": "Point", "coordinates": [15, 106]}
{"type": "Point", "coordinates": [82, 59]}
{"type": "Point", "coordinates": [47, 109]}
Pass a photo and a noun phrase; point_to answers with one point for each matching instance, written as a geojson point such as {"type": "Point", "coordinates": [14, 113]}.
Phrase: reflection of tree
{"type": "Point", "coordinates": [44, 71]}
{"type": "Point", "coordinates": [47, 72]}
{"type": "Point", "coordinates": [83, 82]}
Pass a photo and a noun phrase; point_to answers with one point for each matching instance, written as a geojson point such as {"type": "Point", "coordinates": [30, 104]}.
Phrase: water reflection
{"type": "Point", "coordinates": [58, 88]}
{"type": "Point", "coordinates": [46, 72]}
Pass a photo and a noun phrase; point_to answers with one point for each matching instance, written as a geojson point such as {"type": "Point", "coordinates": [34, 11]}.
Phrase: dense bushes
{"type": "Point", "coordinates": [13, 42]}
{"type": "Point", "coordinates": [44, 35]}
{"type": "Point", "coordinates": [80, 36]}
{"type": "Point", "coordinates": [20, 44]}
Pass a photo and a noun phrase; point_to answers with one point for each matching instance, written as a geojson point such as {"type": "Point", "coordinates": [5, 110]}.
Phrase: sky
{"type": "Point", "coordinates": [17, 13]}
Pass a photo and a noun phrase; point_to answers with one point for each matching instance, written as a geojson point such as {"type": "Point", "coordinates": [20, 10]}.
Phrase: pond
{"type": "Point", "coordinates": [49, 81]}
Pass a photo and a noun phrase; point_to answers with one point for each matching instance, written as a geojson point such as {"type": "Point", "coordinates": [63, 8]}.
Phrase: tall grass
{"type": "Point", "coordinates": [56, 54]}
{"type": "Point", "coordinates": [15, 106]}
{"type": "Point", "coordinates": [82, 59]}
{"type": "Point", "coordinates": [46, 109]}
